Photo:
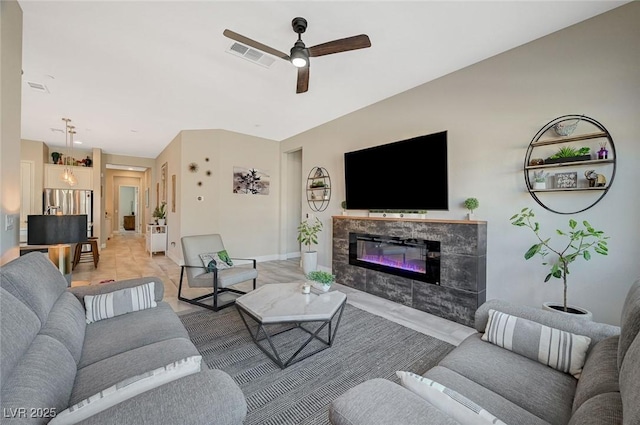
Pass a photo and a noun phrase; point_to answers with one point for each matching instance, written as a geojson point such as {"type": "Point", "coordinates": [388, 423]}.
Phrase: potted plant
{"type": "Point", "coordinates": [321, 280]}
{"type": "Point", "coordinates": [471, 204]}
{"type": "Point", "coordinates": [308, 235]}
{"type": "Point", "coordinates": [569, 154]}
{"type": "Point", "coordinates": [160, 214]}
{"type": "Point", "coordinates": [540, 180]}
{"type": "Point", "coordinates": [343, 204]}
{"type": "Point", "coordinates": [579, 242]}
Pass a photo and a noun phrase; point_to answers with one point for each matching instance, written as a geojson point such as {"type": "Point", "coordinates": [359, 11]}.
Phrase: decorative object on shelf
{"type": "Point", "coordinates": [307, 236]}
{"type": "Point", "coordinates": [88, 162]}
{"type": "Point", "coordinates": [603, 153]}
{"type": "Point", "coordinates": [536, 161]}
{"type": "Point", "coordinates": [576, 157]}
{"type": "Point", "coordinates": [321, 280]}
{"type": "Point", "coordinates": [540, 180]}
{"type": "Point", "coordinates": [563, 128]}
{"type": "Point", "coordinates": [595, 179]}
{"type": "Point", "coordinates": [471, 204]}
{"type": "Point", "coordinates": [55, 157]}
{"type": "Point", "coordinates": [160, 214]}
{"type": "Point", "coordinates": [567, 180]}
{"type": "Point", "coordinates": [579, 245]}
{"type": "Point", "coordinates": [250, 181]}
{"type": "Point", "coordinates": [193, 167]}
{"type": "Point", "coordinates": [318, 189]}
{"type": "Point", "coordinates": [569, 154]}
{"type": "Point", "coordinates": [343, 205]}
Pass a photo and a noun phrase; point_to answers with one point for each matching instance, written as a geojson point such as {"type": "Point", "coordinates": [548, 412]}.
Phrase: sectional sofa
{"type": "Point", "coordinates": [514, 389]}
{"type": "Point", "coordinates": [52, 359]}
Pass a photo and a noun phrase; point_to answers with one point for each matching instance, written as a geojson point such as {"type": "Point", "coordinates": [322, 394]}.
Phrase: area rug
{"type": "Point", "coordinates": [366, 346]}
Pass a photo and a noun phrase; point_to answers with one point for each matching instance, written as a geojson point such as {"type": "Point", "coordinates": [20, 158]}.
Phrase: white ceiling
{"type": "Point", "coordinates": [131, 75]}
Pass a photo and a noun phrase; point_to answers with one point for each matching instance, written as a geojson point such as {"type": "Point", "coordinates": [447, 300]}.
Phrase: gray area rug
{"type": "Point", "coordinates": [366, 346]}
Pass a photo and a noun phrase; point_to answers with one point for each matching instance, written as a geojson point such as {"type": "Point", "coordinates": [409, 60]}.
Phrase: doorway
{"type": "Point", "coordinates": [128, 208]}
{"type": "Point", "coordinates": [294, 202]}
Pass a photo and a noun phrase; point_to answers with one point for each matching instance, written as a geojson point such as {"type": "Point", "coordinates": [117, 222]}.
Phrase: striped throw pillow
{"type": "Point", "coordinates": [104, 306]}
{"type": "Point", "coordinates": [127, 389]}
{"type": "Point", "coordinates": [558, 349]}
{"type": "Point", "coordinates": [448, 401]}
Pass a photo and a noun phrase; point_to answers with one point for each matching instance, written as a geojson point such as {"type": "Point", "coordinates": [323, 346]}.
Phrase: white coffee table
{"type": "Point", "coordinates": [281, 303]}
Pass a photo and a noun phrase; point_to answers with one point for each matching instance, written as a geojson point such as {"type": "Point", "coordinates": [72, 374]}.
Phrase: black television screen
{"type": "Point", "coordinates": [406, 175]}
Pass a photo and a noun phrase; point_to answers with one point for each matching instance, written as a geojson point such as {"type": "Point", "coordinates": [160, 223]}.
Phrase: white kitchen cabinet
{"type": "Point", "coordinates": [156, 239]}
{"type": "Point", "coordinates": [52, 173]}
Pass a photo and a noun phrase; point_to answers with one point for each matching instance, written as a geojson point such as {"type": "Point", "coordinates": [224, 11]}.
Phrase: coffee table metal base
{"type": "Point", "coordinates": [261, 334]}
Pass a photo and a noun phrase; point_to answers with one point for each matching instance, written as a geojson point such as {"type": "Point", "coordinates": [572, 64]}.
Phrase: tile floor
{"type": "Point", "coordinates": [125, 258]}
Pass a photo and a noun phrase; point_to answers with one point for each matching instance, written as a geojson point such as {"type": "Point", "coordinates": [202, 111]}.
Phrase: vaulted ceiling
{"type": "Point", "coordinates": [131, 75]}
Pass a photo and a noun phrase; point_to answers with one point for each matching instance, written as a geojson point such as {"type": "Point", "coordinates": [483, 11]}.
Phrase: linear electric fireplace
{"type": "Point", "coordinates": [412, 258]}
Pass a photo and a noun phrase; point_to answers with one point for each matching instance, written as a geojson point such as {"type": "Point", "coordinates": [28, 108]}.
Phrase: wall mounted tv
{"type": "Point", "coordinates": [406, 175]}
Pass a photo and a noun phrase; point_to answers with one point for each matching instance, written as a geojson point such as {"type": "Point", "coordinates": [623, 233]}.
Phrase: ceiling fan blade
{"type": "Point", "coordinates": [252, 43]}
{"type": "Point", "coordinates": [343, 45]}
{"type": "Point", "coordinates": [303, 80]}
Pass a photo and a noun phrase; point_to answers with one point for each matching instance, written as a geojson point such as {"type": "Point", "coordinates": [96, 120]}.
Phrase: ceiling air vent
{"type": "Point", "coordinates": [38, 86]}
{"type": "Point", "coordinates": [251, 55]}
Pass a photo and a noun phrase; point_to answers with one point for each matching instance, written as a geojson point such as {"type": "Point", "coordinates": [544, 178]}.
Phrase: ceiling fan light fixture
{"type": "Point", "coordinates": [299, 55]}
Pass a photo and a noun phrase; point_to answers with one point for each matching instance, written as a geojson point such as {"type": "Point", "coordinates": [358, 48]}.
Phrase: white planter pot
{"type": "Point", "coordinates": [309, 261]}
{"type": "Point", "coordinates": [162, 221]}
{"type": "Point", "coordinates": [574, 311]}
{"type": "Point", "coordinates": [471, 216]}
{"type": "Point", "coordinates": [539, 185]}
{"type": "Point", "coordinates": [321, 287]}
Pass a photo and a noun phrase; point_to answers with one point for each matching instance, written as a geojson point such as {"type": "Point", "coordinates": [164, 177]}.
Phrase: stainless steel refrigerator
{"type": "Point", "coordinates": [70, 201]}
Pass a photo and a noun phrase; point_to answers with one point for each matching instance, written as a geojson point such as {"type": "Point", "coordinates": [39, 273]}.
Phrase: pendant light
{"type": "Point", "coordinates": [65, 173]}
{"type": "Point", "coordinates": [72, 178]}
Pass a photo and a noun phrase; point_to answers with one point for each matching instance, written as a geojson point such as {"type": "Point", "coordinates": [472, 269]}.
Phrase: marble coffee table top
{"type": "Point", "coordinates": [285, 302]}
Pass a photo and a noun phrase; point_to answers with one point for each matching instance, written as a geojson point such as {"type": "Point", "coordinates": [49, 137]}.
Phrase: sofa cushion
{"type": "Point", "coordinates": [602, 409]}
{"type": "Point", "coordinates": [117, 303]}
{"type": "Point", "coordinates": [42, 380]}
{"type": "Point", "coordinates": [629, 321]}
{"type": "Point", "coordinates": [66, 324]}
{"type": "Point", "coordinates": [502, 408]}
{"type": "Point", "coordinates": [630, 384]}
{"type": "Point", "coordinates": [107, 372]}
{"type": "Point", "coordinates": [539, 389]}
{"type": "Point", "coordinates": [107, 338]}
{"type": "Point", "coordinates": [18, 327]}
{"type": "Point", "coordinates": [381, 402]}
{"type": "Point", "coordinates": [600, 373]}
{"type": "Point", "coordinates": [553, 347]}
{"type": "Point", "coordinates": [126, 389]}
{"type": "Point", "coordinates": [35, 281]}
{"type": "Point", "coordinates": [447, 400]}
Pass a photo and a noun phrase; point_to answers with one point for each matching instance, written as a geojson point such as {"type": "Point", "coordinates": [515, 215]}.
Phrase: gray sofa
{"type": "Point", "coordinates": [517, 390]}
{"type": "Point", "coordinates": [52, 359]}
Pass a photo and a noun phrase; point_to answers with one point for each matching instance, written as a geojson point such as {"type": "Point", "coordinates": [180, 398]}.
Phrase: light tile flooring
{"type": "Point", "coordinates": [125, 258]}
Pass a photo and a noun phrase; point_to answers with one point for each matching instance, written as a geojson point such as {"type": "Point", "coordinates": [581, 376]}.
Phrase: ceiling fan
{"type": "Point", "coordinates": [300, 54]}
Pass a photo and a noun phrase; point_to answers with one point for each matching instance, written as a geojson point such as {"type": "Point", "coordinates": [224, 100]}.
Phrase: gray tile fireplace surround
{"type": "Point", "coordinates": [463, 265]}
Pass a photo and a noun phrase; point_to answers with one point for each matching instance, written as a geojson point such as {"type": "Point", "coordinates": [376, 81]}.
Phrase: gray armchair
{"type": "Point", "coordinates": [199, 276]}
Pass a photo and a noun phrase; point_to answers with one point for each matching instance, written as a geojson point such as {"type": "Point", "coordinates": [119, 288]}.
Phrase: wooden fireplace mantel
{"type": "Point", "coordinates": [420, 220]}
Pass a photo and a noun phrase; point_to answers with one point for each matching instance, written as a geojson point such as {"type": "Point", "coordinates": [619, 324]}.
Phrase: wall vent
{"type": "Point", "coordinates": [38, 86]}
{"type": "Point", "coordinates": [251, 55]}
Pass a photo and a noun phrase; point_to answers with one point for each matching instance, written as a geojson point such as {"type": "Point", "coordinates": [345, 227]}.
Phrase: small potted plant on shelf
{"type": "Point", "coordinates": [308, 235]}
{"type": "Point", "coordinates": [569, 154]}
{"type": "Point", "coordinates": [540, 180]}
{"type": "Point", "coordinates": [321, 280]}
{"type": "Point", "coordinates": [316, 184]}
{"type": "Point", "coordinates": [579, 243]}
{"type": "Point", "coordinates": [160, 214]}
{"type": "Point", "coordinates": [471, 204]}
{"type": "Point", "coordinates": [343, 204]}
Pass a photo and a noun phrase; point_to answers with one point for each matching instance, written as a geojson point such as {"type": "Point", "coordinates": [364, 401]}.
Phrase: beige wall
{"type": "Point", "coordinates": [248, 223]}
{"type": "Point", "coordinates": [10, 107]}
{"type": "Point", "coordinates": [172, 156]}
{"type": "Point", "coordinates": [37, 153]}
{"type": "Point", "coordinates": [491, 111]}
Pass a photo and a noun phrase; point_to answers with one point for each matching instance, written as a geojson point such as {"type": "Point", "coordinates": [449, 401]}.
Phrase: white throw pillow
{"type": "Point", "coordinates": [447, 401]}
{"type": "Point", "coordinates": [104, 306]}
{"type": "Point", "coordinates": [127, 389]}
{"type": "Point", "coordinates": [555, 348]}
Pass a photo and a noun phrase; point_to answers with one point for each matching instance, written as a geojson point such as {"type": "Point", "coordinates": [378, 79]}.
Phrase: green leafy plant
{"type": "Point", "coordinates": [159, 211]}
{"type": "Point", "coordinates": [540, 176]}
{"type": "Point", "coordinates": [579, 242]}
{"type": "Point", "coordinates": [324, 278]}
{"type": "Point", "coordinates": [471, 204]}
{"type": "Point", "coordinates": [318, 183]}
{"type": "Point", "coordinates": [343, 204]}
{"type": "Point", "coordinates": [308, 233]}
{"type": "Point", "coordinates": [568, 152]}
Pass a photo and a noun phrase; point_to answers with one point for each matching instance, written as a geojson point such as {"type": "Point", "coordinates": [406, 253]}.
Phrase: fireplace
{"type": "Point", "coordinates": [417, 259]}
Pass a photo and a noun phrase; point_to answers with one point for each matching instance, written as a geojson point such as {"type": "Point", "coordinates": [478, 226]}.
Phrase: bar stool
{"type": "Point", "coordinates": [80, 255]}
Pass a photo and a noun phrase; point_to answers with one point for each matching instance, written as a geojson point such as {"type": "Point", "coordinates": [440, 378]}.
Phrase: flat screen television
{"type": "Point", "coordinates": [406, 175]}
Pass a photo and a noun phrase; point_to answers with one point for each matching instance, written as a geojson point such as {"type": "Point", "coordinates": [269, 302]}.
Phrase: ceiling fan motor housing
{"type": "Point", "coordinates": [299, 25]}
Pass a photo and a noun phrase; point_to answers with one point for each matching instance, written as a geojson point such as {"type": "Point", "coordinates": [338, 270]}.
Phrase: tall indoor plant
{"type": "Point", "coordinates": [308, 235]}
{"type": "Point", "coordinates": [579, 243]}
